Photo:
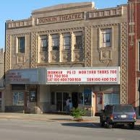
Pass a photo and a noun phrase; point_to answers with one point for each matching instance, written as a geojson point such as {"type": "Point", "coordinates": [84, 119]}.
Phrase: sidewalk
{"type": "Point", "coordinates": [49, 117]}
{"type": "Point", "coordinates": [45, 117]}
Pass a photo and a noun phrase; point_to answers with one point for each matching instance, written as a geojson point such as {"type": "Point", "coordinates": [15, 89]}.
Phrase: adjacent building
{"type": "Point", "coordinates": [1, 80]}
{"type": "Point", "coordinates": [134, 54]}
{"type": "Point", "coordinates": [69, 50]}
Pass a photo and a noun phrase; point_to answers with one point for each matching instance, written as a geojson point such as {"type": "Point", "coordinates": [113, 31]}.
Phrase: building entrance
{"type": "Point", "coordinates": [61, 98]}
{"type": "Point", "coordinates": [75, 99]}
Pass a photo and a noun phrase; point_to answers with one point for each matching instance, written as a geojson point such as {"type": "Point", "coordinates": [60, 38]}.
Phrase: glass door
{"type": "Point", "coordinates": [61, 98]}
{"type": "Point", "coordinates": [65, 97]}
{"type": "Point", "coordinates": [99, 102]}
{"type": "Point", "coordinates": [59, 101]}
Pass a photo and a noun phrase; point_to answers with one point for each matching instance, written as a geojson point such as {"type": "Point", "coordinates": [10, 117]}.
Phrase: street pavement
{"type": "Point", "coordinates": [50, 117]}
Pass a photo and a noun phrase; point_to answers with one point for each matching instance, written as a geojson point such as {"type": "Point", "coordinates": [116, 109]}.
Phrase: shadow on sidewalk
{"type": "Point", "coordinates": [82, 124]}
{"type": "Point", "coordinates": [97, 125]}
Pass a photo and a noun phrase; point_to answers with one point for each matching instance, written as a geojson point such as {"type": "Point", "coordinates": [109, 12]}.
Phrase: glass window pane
{"type": "Point", "coordinates": [55, 42]}
{"type": "Point", "coordinates": [44, 43]}
{"type": "Point", "coordinates": [87, 96]}
{"type": "Point", "coordinates": [67, 41]}
{"type": "Point", "coordinates": [21, 44]}
{"type": "Point", "coordinates": [18, 98]}
{"type": "Point", "coordinates": [111, 98]}
{"type": "Point", "coordinates": [106, 38]}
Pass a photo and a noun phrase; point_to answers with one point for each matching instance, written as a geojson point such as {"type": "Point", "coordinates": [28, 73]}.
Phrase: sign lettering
{"type": "Point", "coordinates": [87, 75]}
{"type": "Point", "coordinates": [61, 18]}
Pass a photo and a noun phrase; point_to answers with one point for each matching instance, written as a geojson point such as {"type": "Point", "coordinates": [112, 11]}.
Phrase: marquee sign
{"type": "Point", "coordinates": [28, 76]}
{"type": "Point", "coordinates": [83, 76]}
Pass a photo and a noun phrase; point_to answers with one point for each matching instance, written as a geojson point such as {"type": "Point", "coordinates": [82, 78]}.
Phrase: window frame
{"type": "Point", "coordinates": [44, 38]}
{"type": "Point", "coordinates": [105, 37]}
{"type": "Point", "coordinates": [66, 46]}
{"type": "Point", "coordinates": [55, 38]}
{"type": "Point", "coordinates": [18, 101]}
{"type": "Point", "coordinates": [78, 44]}
{"type": "Point", "coordinates": [21, 48]}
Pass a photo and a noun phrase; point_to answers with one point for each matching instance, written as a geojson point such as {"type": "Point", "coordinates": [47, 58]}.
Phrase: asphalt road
{"type": "Point", "coordinates": [11, 129]}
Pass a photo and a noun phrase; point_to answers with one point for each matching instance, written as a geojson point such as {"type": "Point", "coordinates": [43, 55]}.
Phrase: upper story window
{"type": "Point", "coordinates": [44, 42]}
{"type": "Point", "coordinates": [67, 41]}
{"type": "Point", "coordinates": [106, 37]}
{"type": "Point", "coordinates": [78, 40]}
{"type": "Point", "coordinates": [55, 42]}
{"type": "Point", "coordinates": [21, 44]}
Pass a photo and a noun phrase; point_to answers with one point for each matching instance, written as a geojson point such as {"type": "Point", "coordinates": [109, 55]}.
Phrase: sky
{"type": "Point", "coordinates": [22, 9]}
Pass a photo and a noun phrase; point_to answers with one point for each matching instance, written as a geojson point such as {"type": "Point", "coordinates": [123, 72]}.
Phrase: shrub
{"type": "Point", "coordinates": [77, 113]}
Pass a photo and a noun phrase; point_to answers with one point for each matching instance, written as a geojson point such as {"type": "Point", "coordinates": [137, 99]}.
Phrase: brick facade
{"type": "Point", "coordinates": [133, 56]}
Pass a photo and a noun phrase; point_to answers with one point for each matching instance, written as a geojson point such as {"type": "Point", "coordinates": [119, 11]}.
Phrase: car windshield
{"type": "Point", "coordinates": [123, 108]}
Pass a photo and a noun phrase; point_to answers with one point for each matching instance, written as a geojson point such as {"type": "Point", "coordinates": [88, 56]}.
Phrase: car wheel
{"type": "Point", "coordinates": [132, 125]}
{"type": "Point", "coordinates": [109, 125]}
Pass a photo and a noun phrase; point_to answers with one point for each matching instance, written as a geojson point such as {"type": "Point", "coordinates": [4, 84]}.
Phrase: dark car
{"type": "Point", "coordinates": [118, 114]}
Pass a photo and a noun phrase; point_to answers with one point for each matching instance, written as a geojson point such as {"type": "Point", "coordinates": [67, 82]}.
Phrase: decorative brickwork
{"type": "Point", "coordinates": [33, 49]}
{"type": "Point", "coordinates": [106, 13]}
{"type": "Point", "coordinates": [55, 56]}
{"type": "Point", "coordinates": [74, 29]}
{"type": "Point", "coordinates": [44, 56]}
{"type": "Point", "coordinates": [66, 55]}
{"type": "Point", "coordinates": [123, 68]}
{"type": "Point", "coordinates": [88, 46]}
{"type": "Point", "coordinates": [7, 55]}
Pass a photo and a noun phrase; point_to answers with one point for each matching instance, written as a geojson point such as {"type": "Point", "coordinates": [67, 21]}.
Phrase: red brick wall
{"type": "Point", "coordinates": [132, 51]}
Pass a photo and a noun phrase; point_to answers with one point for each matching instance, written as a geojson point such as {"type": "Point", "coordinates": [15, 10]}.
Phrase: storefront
{"type": "Point", "coordinates": [44, 90]}
{"type": "Point", "coordinates": [89, 88]}
{"type": "Point", "coordinates": [23, 89]}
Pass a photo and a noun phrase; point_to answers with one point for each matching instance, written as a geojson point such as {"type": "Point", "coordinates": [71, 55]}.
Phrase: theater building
{"type": "Point", "coordinates": [68, 50]}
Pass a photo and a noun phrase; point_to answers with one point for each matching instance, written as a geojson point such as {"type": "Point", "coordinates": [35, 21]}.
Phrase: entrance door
{"type": "Point", "coordinates": [59, 101]}
{"type": "Point", "coordinates": [75, 99]}
{"type": "Point", "coordinates": [61, 98]}
{"type": "Point", "coordinates": [99, 102]}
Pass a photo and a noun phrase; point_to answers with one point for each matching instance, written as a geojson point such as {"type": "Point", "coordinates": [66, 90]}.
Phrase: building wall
{"type": "Point", "coordinates": [133, 56]}
{"type": "Point", "coordinates": [1, 80]}
{"type": "Point", "coordinates": [1, 68]}
{"type": "Point", "coordinates": [44, 99]}
{"type": "Point", "coordinates": [88, 20]}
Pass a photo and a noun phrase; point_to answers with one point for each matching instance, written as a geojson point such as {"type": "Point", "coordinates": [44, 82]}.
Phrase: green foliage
{"type": "Point", "coordinates": [77, 113]}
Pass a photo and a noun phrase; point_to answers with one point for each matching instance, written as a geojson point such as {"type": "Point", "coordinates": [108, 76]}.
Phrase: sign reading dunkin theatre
{"type": "Point", "coordinates": [61, 18]}
{"type": "Point", "coordinates": [84, 76]}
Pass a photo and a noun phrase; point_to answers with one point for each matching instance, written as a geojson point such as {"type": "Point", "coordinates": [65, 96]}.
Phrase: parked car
{"type": "Point", "coordinates": [118, 114]}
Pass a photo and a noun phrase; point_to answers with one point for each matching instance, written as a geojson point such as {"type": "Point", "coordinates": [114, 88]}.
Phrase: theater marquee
{"type": "Point", "coordinates": [84, 76]}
